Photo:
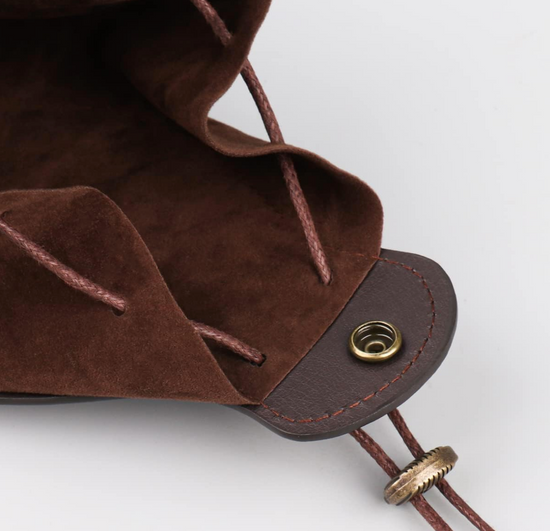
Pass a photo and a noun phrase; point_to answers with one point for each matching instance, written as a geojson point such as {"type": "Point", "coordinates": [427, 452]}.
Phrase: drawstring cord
{"type": "Point", "coordinates": [386, 463]}
{"type": "Point", "coordinates": [65, 273]}
{"type": "Point", "coordinates": [419, 502]}
{"type": "Point", "coordinates": [416, 450]}
{"type": "Point", "coordinates": [321, 263]}
{"type": "Point", "coordinates": [276, 136]}
{"type": "Point", "coordinates": [116, 302]}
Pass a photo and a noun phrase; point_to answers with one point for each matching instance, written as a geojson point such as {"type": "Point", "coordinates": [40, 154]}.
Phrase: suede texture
{"type": "Point", "coordinates": [110, 162]}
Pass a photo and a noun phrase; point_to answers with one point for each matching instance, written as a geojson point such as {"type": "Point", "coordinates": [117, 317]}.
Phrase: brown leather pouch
{"type": "Point", "coordinates": [147, 249]}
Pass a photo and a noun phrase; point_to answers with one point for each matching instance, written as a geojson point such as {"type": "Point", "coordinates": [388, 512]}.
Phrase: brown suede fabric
{"type": "Point", "coordinates": [81, 345]}
{"type": "Point", "coordinates": [118, 172]}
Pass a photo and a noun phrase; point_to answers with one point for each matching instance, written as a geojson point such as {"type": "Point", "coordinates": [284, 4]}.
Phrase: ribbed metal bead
{"type": "Point", "coordinates": [420, 475]}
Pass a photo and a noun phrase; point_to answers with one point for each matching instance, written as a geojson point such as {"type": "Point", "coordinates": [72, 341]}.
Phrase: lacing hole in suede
{"type": "Point", "coordinates": [258, 365]}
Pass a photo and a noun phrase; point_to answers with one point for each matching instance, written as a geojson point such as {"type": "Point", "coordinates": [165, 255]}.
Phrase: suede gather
{"type": "Point", "coordinates": [111, 163]}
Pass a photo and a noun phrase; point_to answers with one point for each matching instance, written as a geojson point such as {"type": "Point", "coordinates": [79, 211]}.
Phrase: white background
{"type": "Point", "coordinates": [444, 108]}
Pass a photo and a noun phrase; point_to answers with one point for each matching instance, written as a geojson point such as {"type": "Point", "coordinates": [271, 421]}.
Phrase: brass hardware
{"type": "Point", "coordinates": [375, 341]}
{"type": "Point", "coordinates": [420, 475]}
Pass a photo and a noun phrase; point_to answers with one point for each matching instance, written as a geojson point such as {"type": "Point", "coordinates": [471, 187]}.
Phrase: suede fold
{"type": "Point", "coordinates": [105, 122]}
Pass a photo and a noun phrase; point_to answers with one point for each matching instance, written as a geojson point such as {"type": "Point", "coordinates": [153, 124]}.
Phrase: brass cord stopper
{"type": "Point", "coordinates": [420, 475]}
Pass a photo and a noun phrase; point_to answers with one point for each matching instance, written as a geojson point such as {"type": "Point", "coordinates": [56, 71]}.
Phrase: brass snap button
{"type": "Point", "coordinates": [375, 341]}
{"type": "Point", "coordinates": [420, 475]}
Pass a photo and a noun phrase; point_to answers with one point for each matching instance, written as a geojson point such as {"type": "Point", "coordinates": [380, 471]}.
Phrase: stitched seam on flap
{"type": "Point", "coordinates": [388, 384]}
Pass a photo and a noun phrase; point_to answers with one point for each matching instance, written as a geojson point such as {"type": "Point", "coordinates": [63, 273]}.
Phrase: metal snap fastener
{"type": "Point", "coordinates": [375, 341]}
{"type": "Point", "coordinates": [420, 475]}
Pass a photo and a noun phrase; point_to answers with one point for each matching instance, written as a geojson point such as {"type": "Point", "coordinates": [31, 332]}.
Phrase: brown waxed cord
{"type": "Point", "coordinates": [387, 464]}
{"type": "Point", "coordinates": [232, 343]}
{"type": "Point", "coordinates": [118, 303]}
{"type": "Point", "coordinates": [447, 491]}
{"type": "Point", "coordinates": [321, 263]}
{"type": "Point", "coordinates": [65, 273]}
{"type": "Point", "coordinates": [276, 136]}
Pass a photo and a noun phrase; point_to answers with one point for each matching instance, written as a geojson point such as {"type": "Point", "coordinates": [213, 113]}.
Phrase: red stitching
{"type": "Point", "coordinates": [397, 377]}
